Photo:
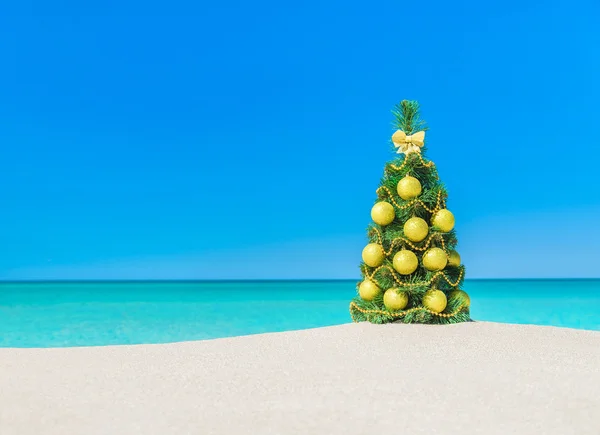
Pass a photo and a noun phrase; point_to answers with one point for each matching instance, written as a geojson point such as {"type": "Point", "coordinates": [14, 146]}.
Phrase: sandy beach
{"type": "Point", "coordinates": [474, 378]}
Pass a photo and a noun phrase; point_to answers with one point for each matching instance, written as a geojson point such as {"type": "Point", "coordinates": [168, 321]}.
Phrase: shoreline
{"type": "Point", "coordinates": [259, 280]}
{"type": "Point", "coordinates": [473, 377]}
{"type": "Point", "coordinates": [525, 325]}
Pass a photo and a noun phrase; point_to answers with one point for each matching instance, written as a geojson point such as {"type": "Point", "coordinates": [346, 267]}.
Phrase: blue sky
{"type": "Point", "coordinates": [246, 139]}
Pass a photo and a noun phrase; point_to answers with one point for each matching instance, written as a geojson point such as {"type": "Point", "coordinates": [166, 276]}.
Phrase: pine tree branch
{"type": "Point", "coordinates": [408, 117]}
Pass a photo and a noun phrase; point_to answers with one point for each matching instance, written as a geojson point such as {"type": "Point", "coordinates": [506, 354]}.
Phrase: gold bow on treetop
{"type": "Point", "coordinates": [408, 144]}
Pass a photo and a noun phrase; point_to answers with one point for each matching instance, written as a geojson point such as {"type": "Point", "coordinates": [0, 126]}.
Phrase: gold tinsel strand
{"type": "Point", "coordinates": [413, 284]}
{"type": "Point", "coordinates": [408, 242]}
{"type": "Point", "coordinates": [399, 168]}
{"type": "Point", "coordinates": [354, 306]}
{"type": "Point", "coordinates": [443, 244]}
{"type": "Point", "coordinates": [412, 201]}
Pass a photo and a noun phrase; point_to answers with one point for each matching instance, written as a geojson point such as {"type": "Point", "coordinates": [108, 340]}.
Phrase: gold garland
{"type": "Point", "coordinates": [415, 284]}
{"type": "Point", "coordinates": [354, 306]}
{"type": "Point", "coordinates": [411, 202]}
{"type": "Point", "coordinates": [399, 168]}
{"type": "Point", "coordinates": [408, 242]}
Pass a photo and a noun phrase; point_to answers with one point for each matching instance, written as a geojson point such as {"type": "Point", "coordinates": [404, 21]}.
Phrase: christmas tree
{"type": "Point", "coordinates": [411, 271]}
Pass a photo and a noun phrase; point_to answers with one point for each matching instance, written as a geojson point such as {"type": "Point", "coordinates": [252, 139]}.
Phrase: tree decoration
{"type": "Point", "coordinates": [408, 143]}
{"type": "Point", "coordinates": [459, 297]}
{"type": "Point", "coordinates": [443, 220]}
{"type": "Point", "coordinates": [405, 262]}
{"type": "Point", "coordinates": [383, 213]}
{"type": "Point", "coordinates": [368, 290]}
{"type": "Point", "coordinates": [373, 254]}
{"type": "Point", "coordinates": [453, 259]}
{"type": "Point", "coordinates": [435, 259]}
{"type": "Point", "coordinates": [411, 272]}
{"type": "Point", "coordinates": [395, 299]}
{"type": "Point", "coordinates": [409, 188]}
{"type": "Point", "coordinates": [435, 300]}
{"type": "Point", "coordinates": [416, 229]}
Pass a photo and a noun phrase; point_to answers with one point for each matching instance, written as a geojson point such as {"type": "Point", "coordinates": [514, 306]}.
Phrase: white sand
{"type": "Point", "coordinates": [475, 378]}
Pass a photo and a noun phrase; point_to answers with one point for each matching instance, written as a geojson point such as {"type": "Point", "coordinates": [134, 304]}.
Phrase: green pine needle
{"type": "Point", "coordinates": [407, 117]}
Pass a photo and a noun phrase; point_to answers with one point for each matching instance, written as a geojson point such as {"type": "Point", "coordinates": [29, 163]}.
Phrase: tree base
{"type": "Point", "coordinates": [362, 311]}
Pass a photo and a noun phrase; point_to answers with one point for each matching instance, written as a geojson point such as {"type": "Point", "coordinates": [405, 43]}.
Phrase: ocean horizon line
{"type": "Point", "coordinates": [259, 280]}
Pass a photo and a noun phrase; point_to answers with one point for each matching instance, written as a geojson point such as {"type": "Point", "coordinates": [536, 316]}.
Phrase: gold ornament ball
{"type": "Point", "coordinates": [416, 229]}
{"type": "Point", "coordinates": [444, 220]}
{"type": "Point", "coordinates": [373, 254]}
{"type": "Point", "coordinates": [394, 299]}
{"type": "Point", "coordinates": [409, 187]}
{"type": "Point", "coordinates": [460, 296]}
{"type": "Point", "coordinates": [435, 259]}
{"type": "Point", "coordinates": [435, 300]}
{"type": "Point", "coordinates": [383, 213]}
{"type": "Point", "coordinates": [405, 262]}
{"type": "Point", "coordinates": [368, 290]}
{"type": "Point", "coordinates": [454, 259]}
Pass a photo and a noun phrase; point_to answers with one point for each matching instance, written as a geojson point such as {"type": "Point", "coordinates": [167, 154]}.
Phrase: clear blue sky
{"type": "Point", "coordinates": [246, 139]}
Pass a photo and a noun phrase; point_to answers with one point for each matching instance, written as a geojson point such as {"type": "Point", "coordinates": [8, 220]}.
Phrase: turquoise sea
{"type": "Point", "coordinates": [55, 314]}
